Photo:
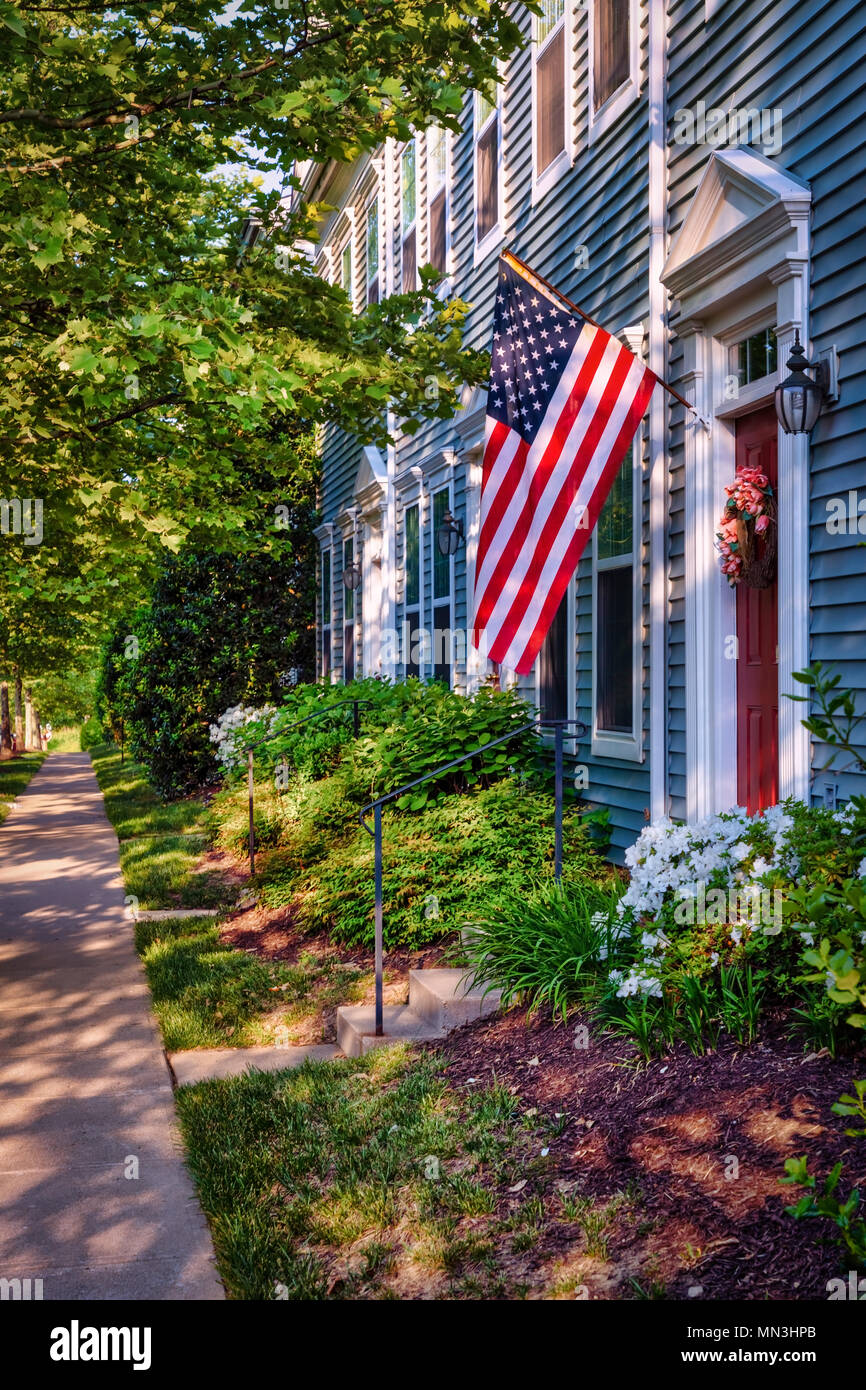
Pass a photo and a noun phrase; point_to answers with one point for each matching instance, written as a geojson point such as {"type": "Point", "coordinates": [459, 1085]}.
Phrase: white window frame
{"type": "Point", "coordinates": [447, 185]}
{"type": "Point", "coordinates": [412, 496]}
{"type": "Point", "coordinates": [494, 238]}
{"type": "Point", "coordinates": [628, 91]}
{"type": "Point", "coordinates": [413, 226]}
{"type": "Point", "coordinates": [435, 487]}
{"type": "Point", "coordinates": [346, 245]}
{"type": "Point", "coordinates": [609, 743]}
{"type": "Point", "coordinates": [349, 535]}
{"type": "Point", "coordinates": [328, 549]}
{"type": "Point", "coordinates": [545, 179]}
{"type": "Point", "coordinates": [369, 205]}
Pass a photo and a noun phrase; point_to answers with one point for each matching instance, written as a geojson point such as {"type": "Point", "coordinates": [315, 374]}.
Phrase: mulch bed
{"type": "Point", "coordinates": [274, 934]}
{"type": "Point", "coordinates": [669, 1132]}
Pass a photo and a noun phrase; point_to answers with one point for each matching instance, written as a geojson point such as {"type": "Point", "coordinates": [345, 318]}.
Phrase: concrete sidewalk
{"type": "Point", "coordinates": [85, 1094]}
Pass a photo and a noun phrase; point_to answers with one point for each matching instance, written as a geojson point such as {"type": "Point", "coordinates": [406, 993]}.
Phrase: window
{"type": "Point", "coordinates": [348, 615]}
{"type": "Point", "coordinates": [437, 199]}
{"type": "Point", "coordinates": [757, 356]}
{"type": "Point", "coordinates": [616, 668]}
{"type": "Point", "coordinates": [346, 268]}
{"type": "Point", "coordinates": [550, 84]}
{"type": "Point", "coordinates": [553, 666]}
{"type": "Point", "coordinates": [409, 252]}
{"type": "Point", "coordinates": [442, 635]}
{"type": "Point", "coordinates": [326, 614]}
{"type": "Point", "coordinates": [486, 168]}
{"type": "Point", "coordinates": [372, 243]}
{"type": "Point", "coordinates": [611, 49]}
{"type": "Point", "coordinates": [412, 587]}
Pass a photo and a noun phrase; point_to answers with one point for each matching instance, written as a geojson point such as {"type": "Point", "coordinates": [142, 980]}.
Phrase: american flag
{"type": "Point", "coordinates": [564, 402]}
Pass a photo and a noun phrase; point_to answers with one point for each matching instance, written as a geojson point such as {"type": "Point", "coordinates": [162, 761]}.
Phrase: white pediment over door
{"type": "Point", "coordinates": [370, 479]}
{"type": "Point", "coordinates": [747, 218]}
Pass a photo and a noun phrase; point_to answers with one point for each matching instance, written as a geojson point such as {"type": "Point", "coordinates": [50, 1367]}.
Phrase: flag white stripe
{"type": "Point", "coordinates": [564, 464]}
{"type": "Point", "coordinates": [558, 402]}
{"type": "Point", "coordinates": [563, 538]}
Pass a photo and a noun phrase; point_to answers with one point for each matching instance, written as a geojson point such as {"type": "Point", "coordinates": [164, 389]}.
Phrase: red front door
{"type": "Point", "coordinates": [757, 645]}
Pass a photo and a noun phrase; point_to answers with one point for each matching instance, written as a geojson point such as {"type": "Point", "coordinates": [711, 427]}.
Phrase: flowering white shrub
{"type": "Point", "coordinates": [726, 871]}
{"type": "Point", "coordinates": [236, 721]}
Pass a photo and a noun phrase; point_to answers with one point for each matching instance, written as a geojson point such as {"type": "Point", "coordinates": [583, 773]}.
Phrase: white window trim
{"type": "Point", "coordinates": [444, 288]}
{"type": "Point", "coordinates": [441, 485]}
{"type": "Point", "coordinates": [545, 179]}
{"type": "Point", "coordinates": [368, 279]}
{"type": "Point", "coordinates": [610, 744]}
{"type": "Point", "coordinates": [629, 91]}
{"type": "Point", "coordinates": [347, 244]}
{"type": "Point", "coordinates": [325, 535]}
{"type": "Point", "coordinates": [494, 238]}
{"type": "Point", "coordinates": [414, 224]}
{"type": "Point", "coordinates": [411, 494]}
{"type": "Point", "coordinates": [349, 533]}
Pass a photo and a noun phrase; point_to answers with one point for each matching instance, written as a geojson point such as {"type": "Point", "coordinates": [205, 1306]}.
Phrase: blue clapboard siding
{"type": "Point", "coordinates": [808, 61]}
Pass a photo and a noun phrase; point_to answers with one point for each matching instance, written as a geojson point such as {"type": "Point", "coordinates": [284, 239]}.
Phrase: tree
{"type": "Point", "coordinates": [219, 628]}
{"type": "Point", "coordinates": [144, 369]}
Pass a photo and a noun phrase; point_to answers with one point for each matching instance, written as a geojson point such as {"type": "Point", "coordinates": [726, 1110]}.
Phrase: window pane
{"type": "Point", "coordinates": [553, 667]}
{"type": "Point", "coordinates": [326, 654]}
{"type": "Point", "coordinates": [407, 184]}
{"type": "Point", "coordinates": [487, 182]}
{"type": "Point", "coordinates": [349, 652]}
{"type": "Point", "coordinates": [550, 92]}
{"type": "Point", "coordinates": [373, 240]}
{"type": "Point", "coordinates": [409, 274]}
{"type": "Point", "coordinates": [484, 109]}
{"type": "Point", "coordinates": [346, 269]}
{"type": "Point", "coordinates": [348, 594]}
{"type": "Point", "coordinates": [326, 587]}
{"type": "Point", "coordinates": [442, 641]}
{"type": "Point", "coordinates": [611, 45]}
{"type": "Point", "coordinates": [438, 243]}
{"type": "Point", "coordinates": [436, 160]}
{"type": "Point", "coordinates": [551, 13]}
{"type": "Point", "coordinates": [615, 529]}
{"type": "Point", "coordinates": [758, 356]}
{"type": "Point", "coordinates": [412, 556]}
{"type": "Point", "coordinates": [614, 646]}
{"type": "Point", "coordinates": [441, 563]}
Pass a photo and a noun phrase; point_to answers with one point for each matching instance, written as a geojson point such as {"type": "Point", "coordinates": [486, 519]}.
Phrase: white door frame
{"type": "Point", "coordinates": [755, 270]}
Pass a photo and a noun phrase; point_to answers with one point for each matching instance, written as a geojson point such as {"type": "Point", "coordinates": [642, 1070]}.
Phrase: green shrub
{"type": "Point", "coordinates": [91, 734]}
{"type": "Point", "coordinates": [440, 864]}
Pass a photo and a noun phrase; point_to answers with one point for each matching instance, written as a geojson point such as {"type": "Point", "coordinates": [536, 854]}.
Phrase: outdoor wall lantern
{"type": "Point", "coordinates": [449, 536]}
{"type": "Point", "coordinates": [352, 576]}
{"type": "Point", "coordinates": [799, 398]}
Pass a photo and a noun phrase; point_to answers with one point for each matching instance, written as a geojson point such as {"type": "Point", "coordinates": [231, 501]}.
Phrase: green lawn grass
{"type": "Point", "coordinates": [207, 994]}
{"type": "Point", "coordinates": [160, 842]}
{"type": "Point", "coordinates": [15, 773]}
{"type": "Point", "coordinates": [362, 1179]}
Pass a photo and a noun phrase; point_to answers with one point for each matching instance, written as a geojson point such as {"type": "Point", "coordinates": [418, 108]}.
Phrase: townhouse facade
{"type": "Point", "coordinates": [691, 173]}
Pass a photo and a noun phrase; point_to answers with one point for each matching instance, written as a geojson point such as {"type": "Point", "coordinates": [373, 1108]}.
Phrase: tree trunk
{"type": "Point", "coordinates": [28, 719]}
{"type": "Point", "coordinates": [37, 730]}
{"type": "Point", "coordinates": [19, 713]}
{"type": "Point", "coordinates": [5, 725]}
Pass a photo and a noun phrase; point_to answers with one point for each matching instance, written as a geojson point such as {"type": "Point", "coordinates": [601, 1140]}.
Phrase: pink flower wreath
{"type": "Point", "coordinates": [749, 512]}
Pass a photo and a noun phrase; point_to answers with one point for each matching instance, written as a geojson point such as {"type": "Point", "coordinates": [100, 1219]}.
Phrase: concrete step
{"type": "Point", "coordinates": [444, 1000]}
{"type": "Point", "coordinates": [356, 1028]}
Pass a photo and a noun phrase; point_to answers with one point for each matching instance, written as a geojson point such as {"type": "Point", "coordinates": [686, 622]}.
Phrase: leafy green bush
{"type": "Point", "coordinates": [218, 628]}
{"type": "Point", "coordinates": [440, 863]}
{"type": "Point", "coordinates": [91, 734]}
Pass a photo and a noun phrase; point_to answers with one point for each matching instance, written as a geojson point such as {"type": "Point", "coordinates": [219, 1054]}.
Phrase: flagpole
{"type": "Point", "coordinates": [534, 275]}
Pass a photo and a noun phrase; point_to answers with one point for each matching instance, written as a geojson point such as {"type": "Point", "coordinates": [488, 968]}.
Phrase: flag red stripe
{"type": "Point", "coordinates": [558, 514]}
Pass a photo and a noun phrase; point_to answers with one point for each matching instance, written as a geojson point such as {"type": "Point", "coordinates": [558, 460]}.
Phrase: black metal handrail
{"type": "Point", "coordinates": [287, 729]}
{"type": "Point", "coordinates": [558, 725]}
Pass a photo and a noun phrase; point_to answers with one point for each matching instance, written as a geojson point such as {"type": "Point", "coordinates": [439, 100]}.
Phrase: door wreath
{"type": "Point", "coordinates": [746, 537]}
